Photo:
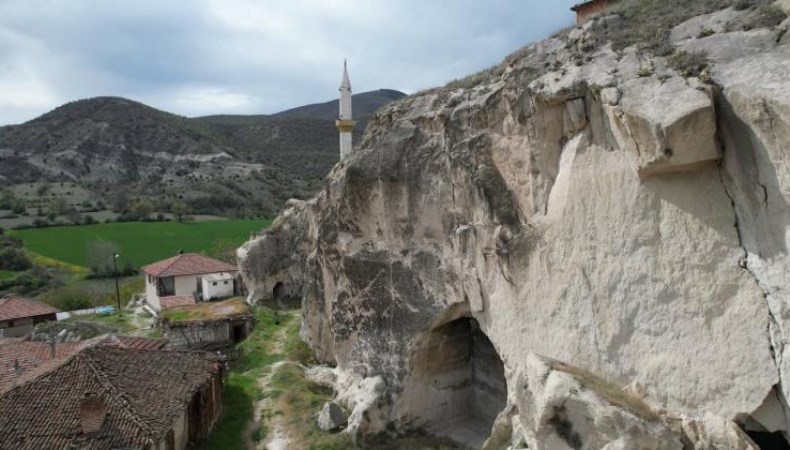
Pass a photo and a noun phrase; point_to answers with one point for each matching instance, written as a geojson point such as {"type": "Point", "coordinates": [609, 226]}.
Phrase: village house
{"type": "Point", "coordinates": [585, 10]}
{"type": "Point", "coordinates": [208, 326]}
{"type": "Point", "coordinates": [112, 397]}
{"type": "Point", "coordinates": [186, 278]}
{"type": "Point", "coordinates": [19, 315]}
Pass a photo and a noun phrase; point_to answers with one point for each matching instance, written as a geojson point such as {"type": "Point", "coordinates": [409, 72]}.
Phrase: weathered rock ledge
{"type": "Point", "coordinates": [631, 225]}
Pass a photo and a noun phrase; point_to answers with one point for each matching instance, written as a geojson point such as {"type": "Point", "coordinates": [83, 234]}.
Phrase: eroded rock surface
{"type": "Point", "coordinates": [632, 226]}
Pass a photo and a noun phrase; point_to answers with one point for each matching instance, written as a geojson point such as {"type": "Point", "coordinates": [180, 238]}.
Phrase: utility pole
{"type": "Point", "coordinates": [115, 256]}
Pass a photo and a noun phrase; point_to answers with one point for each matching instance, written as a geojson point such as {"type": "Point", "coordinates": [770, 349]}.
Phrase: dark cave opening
{"type": "Point", "coordinates": [769, 441]}
{"type": "Point", "coordinates": [464, 382]}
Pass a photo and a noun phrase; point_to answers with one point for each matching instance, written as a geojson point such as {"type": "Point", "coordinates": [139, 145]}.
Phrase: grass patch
{"type": "Point", "coordinates": [121, 322]}
{"type": "Point", "coordinates": [80, 294]}
{"type": "Point", "coordinates": [207, 310]}
{"type": "Point", "coordinates": [648, 23]}
{"type": "Point", "coordinates": [237, 412]}
{"type": "Point", "coordinates": [140, 243]}
{"type": "Point", "coordinates": [7, 275]}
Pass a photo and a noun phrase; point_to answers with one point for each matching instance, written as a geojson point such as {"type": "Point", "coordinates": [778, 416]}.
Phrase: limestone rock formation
{"type": "Point", "coordinates": [332, 417]}
{"type": "Point", "coordinates": [629, 222]}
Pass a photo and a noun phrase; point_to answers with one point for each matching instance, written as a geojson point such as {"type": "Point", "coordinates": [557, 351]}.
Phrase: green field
{"type": "Point", "coordinates": [6, 275]}
{"type": "Point", "coordinates": [140, 243]}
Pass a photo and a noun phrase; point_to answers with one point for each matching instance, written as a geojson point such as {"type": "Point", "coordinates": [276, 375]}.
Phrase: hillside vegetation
{"type": "Point", "coordinates": [117, 152]}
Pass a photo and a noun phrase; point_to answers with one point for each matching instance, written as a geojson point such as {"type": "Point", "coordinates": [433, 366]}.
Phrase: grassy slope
{"type": "Point", "coordinates": [140, 242]}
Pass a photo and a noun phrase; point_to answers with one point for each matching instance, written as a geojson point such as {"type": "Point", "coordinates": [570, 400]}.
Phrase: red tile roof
{"type": "Point", "coordinates": [175, 301]}
{"type": "Point", "coordinates": [142, 393]}
{"type": "Point", "coordinates": [187, 264]}
{"type": "Point", "coordinates": [18, 357]}
{"type": "Point", "coordinates": [16, 308]}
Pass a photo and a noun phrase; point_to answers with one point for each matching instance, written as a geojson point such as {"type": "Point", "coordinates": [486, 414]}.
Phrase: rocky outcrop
{"type": "Point", "coordinates": [628, 222]}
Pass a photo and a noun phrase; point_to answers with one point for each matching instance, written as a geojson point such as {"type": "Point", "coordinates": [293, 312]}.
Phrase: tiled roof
{"type": "Point", "coordinates": [16, 308]}
{"type": "Point", "coordinates": [143, 392]}
{"type": "Point", "coordinates": [136, 342]}
{"type": "Point", "coordinates": [187, 264]}
{"type": "Point", "coordinates": [582, 4]}
{"type": "Point", "coordinates": [175, 301]}
{"type": "Point", "coordinates": [18, 357]}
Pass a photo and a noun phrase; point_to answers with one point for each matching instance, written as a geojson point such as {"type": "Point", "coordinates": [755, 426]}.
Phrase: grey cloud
{"type": "Point", "coordinates": [249, 57]}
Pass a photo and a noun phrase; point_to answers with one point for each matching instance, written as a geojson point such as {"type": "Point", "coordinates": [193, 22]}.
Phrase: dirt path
{"type": "Point", "coordinates": [276, 436]}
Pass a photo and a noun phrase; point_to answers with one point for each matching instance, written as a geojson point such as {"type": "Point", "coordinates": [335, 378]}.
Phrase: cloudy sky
{"type": "Point", "coordinates": [198, 57]}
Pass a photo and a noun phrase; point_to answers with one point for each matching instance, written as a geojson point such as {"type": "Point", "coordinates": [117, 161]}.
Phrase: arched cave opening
{"type": "Point", "coordinates": [462, 383]}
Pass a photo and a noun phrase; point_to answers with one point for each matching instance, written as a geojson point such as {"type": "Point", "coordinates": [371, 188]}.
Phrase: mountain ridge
{"type": "Point", "coordinates": [111, 144]}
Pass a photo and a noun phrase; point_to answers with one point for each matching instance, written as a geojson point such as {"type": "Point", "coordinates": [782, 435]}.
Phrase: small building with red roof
{"type": "Point", "coordinates": [186, 278]}
{"type": "Point", "coordinates": [19, 315]}
{"type": "Point", "coordinates": [587, 9]}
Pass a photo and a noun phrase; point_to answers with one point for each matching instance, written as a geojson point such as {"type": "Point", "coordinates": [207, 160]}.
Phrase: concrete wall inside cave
{"type": "Point", "coordinates": [456, 386]}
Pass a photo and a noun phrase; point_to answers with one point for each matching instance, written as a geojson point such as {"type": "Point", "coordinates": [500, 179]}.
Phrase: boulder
{"type": "Point", "coordinates": [332, 417]}
{"type": "Point", "coordinates": [564, 407]}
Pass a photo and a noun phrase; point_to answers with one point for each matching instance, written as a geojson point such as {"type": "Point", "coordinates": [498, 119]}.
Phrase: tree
{"type": "Point", "coordinates": [180, 209]}
{"type": "Point", "coordinates": [119, 201]}
{"type": "Point", "coordinates": [141, 210]}
{"type": "Point", "coordinates": [100, 255]}
{"type": "Point", "coordinates": [56, 207]}
{"type": "Point", "coordinates": [224, 250]}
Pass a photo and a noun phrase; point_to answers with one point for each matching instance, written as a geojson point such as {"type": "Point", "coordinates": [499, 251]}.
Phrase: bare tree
{"type": "Point", "coordinates": [100, 256]}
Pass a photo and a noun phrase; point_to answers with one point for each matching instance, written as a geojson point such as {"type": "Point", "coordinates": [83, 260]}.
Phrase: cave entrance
{"type": "Point", "coordinates": [462, 381]}
{"type": "Point", "coordinates": [278, 292]}
{"type": "Point", "coordinates": [766, 440]}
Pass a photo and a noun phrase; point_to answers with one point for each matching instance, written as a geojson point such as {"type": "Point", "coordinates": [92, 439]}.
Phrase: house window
{"type": "Point", "coordinates": [165, 286]}
{"type": "Point", "coordinates": [226, 282]}
{"type": "Point", "coordinates": [214, 283]}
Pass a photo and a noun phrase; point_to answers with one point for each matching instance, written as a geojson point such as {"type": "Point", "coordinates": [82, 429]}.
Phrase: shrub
{"type": "Point", "coordinates": [68, 298]}
{"type": "Point", "coordinates": [689, 64]}
{"type": "Point", "coordinates": [705, 32]}
{"type": "Point", "coordinates": [14, 259]}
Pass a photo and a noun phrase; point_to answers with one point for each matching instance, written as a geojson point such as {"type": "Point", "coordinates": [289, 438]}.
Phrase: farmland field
{"type": "Point", "coordinates": [140, 243]}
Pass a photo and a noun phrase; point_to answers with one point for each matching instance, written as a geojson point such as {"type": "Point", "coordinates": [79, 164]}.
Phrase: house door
{"type": "Point", "coordinates": [199, 288]}
{"type": "Point", "coordinates": [238, 333]}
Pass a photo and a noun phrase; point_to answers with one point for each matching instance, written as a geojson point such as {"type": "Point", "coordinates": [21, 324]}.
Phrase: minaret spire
{"type": "Point", "coordinates": [345, 123]}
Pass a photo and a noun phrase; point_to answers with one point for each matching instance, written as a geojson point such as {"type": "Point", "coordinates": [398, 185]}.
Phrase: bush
{"type": "Point", "coordinates": [14, 259]}
{"type": "Point", "coordinates": [68, 299]}
{"type": "Point", "coordinates": [29, 282]}
{"type": "Point", "coordinates": [689, 64]}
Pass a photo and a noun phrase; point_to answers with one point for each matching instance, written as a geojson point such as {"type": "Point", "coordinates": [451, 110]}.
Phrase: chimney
{"type": "Point", "coordinates": [93, 411]}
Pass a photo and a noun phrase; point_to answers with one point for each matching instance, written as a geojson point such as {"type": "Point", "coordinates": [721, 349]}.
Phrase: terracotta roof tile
{"type": "Point", "coordinates": [187, 264]}
{"type": "Point", "coordinates": [143, 392]}
{"type": "Point", "coordinates": [18, 357]}
{"type": "Point", "coordinates": [174, 301]}
{"type": "Point", "coordinates": [17, 307]}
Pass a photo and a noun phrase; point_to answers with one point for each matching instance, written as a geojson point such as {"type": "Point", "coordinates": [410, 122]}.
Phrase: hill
{"type": "Point", "coordinates": [111, 151]}
{"type": "Point", "coordinates": [365, 104]}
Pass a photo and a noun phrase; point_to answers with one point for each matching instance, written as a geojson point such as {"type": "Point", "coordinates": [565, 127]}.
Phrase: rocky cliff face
{"type": "Point", "coordinates": [609, 213]}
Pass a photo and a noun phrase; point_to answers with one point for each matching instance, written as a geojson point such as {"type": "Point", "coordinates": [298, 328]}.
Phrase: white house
{"type": "Point", "coordinates": [185, 278]}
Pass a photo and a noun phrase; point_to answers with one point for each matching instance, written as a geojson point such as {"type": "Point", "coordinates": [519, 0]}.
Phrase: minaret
{"type": "Point", "coordinates": [345, 124]}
